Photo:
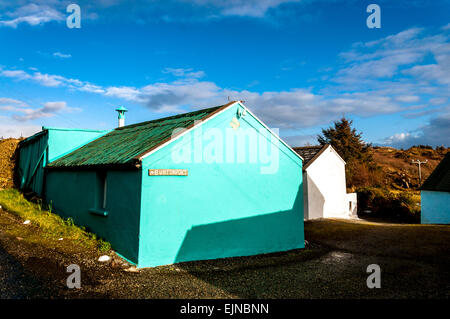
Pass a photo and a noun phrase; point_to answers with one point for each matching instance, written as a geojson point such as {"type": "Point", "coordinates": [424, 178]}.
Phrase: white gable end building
{"type": "Point", "coordinates": [324, 186]}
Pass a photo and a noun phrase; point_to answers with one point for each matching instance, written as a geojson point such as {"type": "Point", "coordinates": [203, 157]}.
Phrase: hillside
{"type": "Point", "coordinates": [7, 161]}
{"type": "Point", "coordinates": [398, 172]}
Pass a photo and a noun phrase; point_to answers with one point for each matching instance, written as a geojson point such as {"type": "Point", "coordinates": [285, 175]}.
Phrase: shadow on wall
{"type": "Point", "coordinates": [266, 233]}
{"type": "Point", "coordinates": [315, 201]}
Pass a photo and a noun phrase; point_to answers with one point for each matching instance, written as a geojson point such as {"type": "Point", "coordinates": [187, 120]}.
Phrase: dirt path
{"type": "Point", "coordinates": [414, 261]}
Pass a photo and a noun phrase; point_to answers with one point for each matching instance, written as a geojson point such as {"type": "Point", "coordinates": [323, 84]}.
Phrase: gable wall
{"type": "Point", "coordinates": [326, 187]}
{"type": "Point", "coordinates": [62, 142]}
{"type": "Point", "coordinates": [219, 209]}
{"type": "Point", "coordinates": [45, 148]}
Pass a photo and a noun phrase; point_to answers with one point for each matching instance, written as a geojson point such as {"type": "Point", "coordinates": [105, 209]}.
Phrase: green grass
{"type": "Point", "coordinates": [51, 225]}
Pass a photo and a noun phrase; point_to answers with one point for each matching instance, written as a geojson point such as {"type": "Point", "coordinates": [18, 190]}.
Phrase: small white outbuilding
{"type": "Point", "coordinates": [324, 187]}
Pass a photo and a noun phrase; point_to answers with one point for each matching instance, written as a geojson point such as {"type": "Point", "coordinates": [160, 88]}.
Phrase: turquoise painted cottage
{"type": "Point", "coordinates": [435, 195]}
{"type": "Point", "coordinates": [202, 185]}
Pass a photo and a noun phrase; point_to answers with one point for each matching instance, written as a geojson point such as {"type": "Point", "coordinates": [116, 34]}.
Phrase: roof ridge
{"type": "Point", "coordinates": [167, 118]}
{"type": "Point", "coordinates": [310, 153]}
{"type": "Point", "coordinates": [312, 146]}
{"type": "Point", "coordinates": [140, 126]}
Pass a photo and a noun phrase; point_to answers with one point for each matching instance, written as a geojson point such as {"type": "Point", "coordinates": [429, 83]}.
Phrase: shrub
{"type": "Point", "coordinates": [383, 203]}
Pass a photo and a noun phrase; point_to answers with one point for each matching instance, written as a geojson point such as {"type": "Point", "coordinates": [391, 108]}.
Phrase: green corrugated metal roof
{"type": "Point", "coordinates": [124, 145]}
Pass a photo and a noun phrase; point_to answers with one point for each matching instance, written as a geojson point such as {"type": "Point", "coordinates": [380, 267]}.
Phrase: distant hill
{"type": "Point", "coordinates": [397, 170]}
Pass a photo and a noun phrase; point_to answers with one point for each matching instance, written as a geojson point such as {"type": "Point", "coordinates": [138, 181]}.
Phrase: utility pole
{"type": "Point", "coordinates": [418, 162]}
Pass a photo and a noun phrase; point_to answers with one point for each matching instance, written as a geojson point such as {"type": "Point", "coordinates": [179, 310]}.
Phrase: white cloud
{"type": "Point", "coordinates": [438, 100]}
{"type": "Point", "coordinates": [48, 110]}
{"type": "Point", "coordinates": [398, 138]}
{"type": "Point", "coordinates": [41, 12]}
{"type": "Point", "coordinates": [385, 58]}
{"type": "Point", "coordinates": [62, 55]}
{"type": "Point", "coordinates": [20, 111]}
{"type": "Point", "coordinates": [431, 72]}
{"type": "Point", "coordinates": [8, 101]}
{"type": "Point", "coordinates": [435, 133]}
{"type": "Point", "coordinates": [47, 80]}
{"type": "Point", "coordinates": [297, 108]}
{"type": "Point", "coordinates": [124, 92]}
{"type": "Point", "coordinates": [187, 73]}
{"type": "Point", "coordinates": [407, 98]}
{"type": "Point", "coordinates": [51, 80]}
{"type": "Point", "coordinates": [87, 87]}
{"type": "Point", "coordinates": [32, 14]}
{"type": "Point", "coordinates": [250, 8]}
{"type": "Point", "coordinates": [17, 74]}
{"type": "Point", "coordinates": [291, 109]}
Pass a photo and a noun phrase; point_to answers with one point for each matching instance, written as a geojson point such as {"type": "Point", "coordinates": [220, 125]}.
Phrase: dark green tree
{"type": "Point", "coordinates": [346, 141]}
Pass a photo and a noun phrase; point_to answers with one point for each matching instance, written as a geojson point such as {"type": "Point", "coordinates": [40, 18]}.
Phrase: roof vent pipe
{"type": "Point", "coordinates": [121, 115]}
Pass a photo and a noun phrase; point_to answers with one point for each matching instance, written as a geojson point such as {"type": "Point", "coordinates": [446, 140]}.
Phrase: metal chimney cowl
{"type": "Point", "coordinates": [121, 115]}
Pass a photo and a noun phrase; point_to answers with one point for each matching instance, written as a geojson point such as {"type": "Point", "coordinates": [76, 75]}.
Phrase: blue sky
{"type": "Point", "coordinates": [298, 65]}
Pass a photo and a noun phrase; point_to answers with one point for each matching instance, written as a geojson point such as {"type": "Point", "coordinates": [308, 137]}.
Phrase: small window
{"type": "Point", "coordinates": [350, 206]}
{"type": "Point", "coordinates": [101, 190]}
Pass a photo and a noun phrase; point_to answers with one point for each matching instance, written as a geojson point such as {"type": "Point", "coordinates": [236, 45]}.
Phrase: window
{"type": "Point", "coordinates": [101, 190]}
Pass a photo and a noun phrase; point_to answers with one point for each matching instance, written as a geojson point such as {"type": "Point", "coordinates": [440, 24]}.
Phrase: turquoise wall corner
{"type": "Point", "coordinates": [435, 207]}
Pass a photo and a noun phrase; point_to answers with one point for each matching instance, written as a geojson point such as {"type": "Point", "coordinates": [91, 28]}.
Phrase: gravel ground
{"type": "Point", "coordinates": [414, 261]}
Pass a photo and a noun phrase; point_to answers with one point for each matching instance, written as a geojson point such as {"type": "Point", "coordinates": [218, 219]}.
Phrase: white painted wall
{"type": "Point", "coordinates": [325, 193]}
{"type": "Point", "coordinates": [352, 203]}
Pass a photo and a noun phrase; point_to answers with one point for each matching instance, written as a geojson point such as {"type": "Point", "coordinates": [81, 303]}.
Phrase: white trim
{"type": "Point", "coordinates": [262, 123]}
{"type": "Point", "coordinates": [186, 131]}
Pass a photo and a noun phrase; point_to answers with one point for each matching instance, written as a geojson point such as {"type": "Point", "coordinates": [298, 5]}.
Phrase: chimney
{"type": "Point", "coordinates": [121, 115]}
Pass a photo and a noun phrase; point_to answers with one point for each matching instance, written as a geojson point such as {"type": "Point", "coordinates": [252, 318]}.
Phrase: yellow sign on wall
{"type": "Point", "coordinates": [168, 172]}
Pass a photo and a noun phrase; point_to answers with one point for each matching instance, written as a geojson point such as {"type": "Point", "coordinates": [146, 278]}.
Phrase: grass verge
{"type": "Point", "coordinates": [52, 225]}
